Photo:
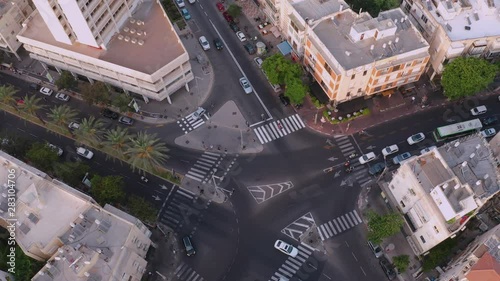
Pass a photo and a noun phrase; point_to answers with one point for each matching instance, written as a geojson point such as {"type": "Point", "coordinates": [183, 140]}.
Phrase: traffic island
{"type": "Point", "coordinates": [311, 238]}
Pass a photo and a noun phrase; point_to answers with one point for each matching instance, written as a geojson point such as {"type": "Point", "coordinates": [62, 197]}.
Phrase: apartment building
{"type": "Point", "coordinates": [129, 44]}
{"type": "Point", "coordinates": [12, 15]}
{"type": "Point", "coordinates": [456, 28]}
{"type": "Point", "coordinates": [480, 261]}
{"type": "Point", "coordinates": [79, 239]}
{"type": "Point", "coordinates": [354, 55]}
{"type": "Point", "coordinates": [439, 191]}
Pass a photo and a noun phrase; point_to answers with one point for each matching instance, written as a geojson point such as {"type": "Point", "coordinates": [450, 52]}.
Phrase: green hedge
{"type": "Point", "coordinates": [365, 112]}
{"type": "Point", "coordinates": [171, 10]}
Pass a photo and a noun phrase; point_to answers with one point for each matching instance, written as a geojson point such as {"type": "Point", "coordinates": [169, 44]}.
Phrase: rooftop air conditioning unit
{"type": "Point", "coordinates": [141, 42]}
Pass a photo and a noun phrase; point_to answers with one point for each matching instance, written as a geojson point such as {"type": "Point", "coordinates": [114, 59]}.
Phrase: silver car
{"type": "Point", "coordinates": [245, 85]}
{"type": "Point", "coordinates": [126, 120]}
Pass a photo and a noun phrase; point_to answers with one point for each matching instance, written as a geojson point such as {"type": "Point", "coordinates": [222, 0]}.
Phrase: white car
{"type": "Point", "coordinates": [390, 150]}
{"type": "Point", "coordinates": [180, 3]}
{"type": "Point", "coordinates": [62, 97]}
{"type": "Point", "coordinates": [427, 149]}
{"type": "Point", "coordinates": [241, 36]}
{"type": "Point", "coordinates": [56, 149]}
{"type": "Point", "coordinates": [204, 43]}
{"type": "Point", "coordinates": [200, 111]}
{"type": "Point", "coordinates": [478, 110]}
{"type": "Point", "coordinates": [286, 248]}
{"type": "Point", "coordinates": [46, 91]}
{"type": "Point", "coordinates": [416, 138]}
{"type": "Point", "coordinates": [367, 158]}
{"type": "Point", "coordinates": [84, 152]}
{"type": "Point", "coordinates": [74, 126]}
{"type": "Point", "coordinates": [126, 120]}
{"type": "Point", "coordinates": [258, 61]}
{"type": "Point", "coordinates": [488, 133]}
{"type": "Point", "coordinates": [245, 85]}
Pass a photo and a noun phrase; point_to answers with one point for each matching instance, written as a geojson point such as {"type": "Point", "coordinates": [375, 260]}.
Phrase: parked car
{"type": "Point", "coordinates": [188, 246]}
{"type": "Point", "coordinates": [478, 110]}
{"type": "Point", "coordinates": [250, 48]}
{"type": "Point", "coordinates": [56, 149]}
{"type": "Point", "coordinates": [185, 13]}
{"type": "Point", "coordinates": [391, 149]}
{"type": "Point", "coordinates": [241, 36]}
{"type": "Point", "coordinates": [286, 248]}
{"type": "Point", "coordinates": [367, 158]}
{"type": "Point", "coordinates": [376, 169]}
{"type": "Point", "coordinates": [192, 1]}
{"type": "Point", "coordinates": [427, 149]}
{"type": "Point", "coordinates": [204, 43]}
{"type": "Point", "coordinates": [401, 157]}
{"type": "Point", "coordinates": [200, 111]}
{"type": "Point", "coordinates": [46, 91]}
{"type": "Point", "coordinates": [416, 138]}
{"type": "Point", "coordinates": [180, 3]}
{"type": "Point", "coordinates": [488, 133]}
{"type": "Point", "coordinates": [489, 120]}
{"type": "Point", "coordinates": [388, 268]}
{"type": "Point", "coordinates": [109, 114]}
{"type": "Point", "coordinates": [234, 26]}
{"type": "Point", "coordinates": [126, 120]}
{"type": "Point", "coordinates": [245, 85]}
{"type": "Point", "coordinates": [377, 251]}
{"type": "Point", "coordinates": [258, 61]}
{"type": "Point", "coordinates": [227, 16]}
{"type": "Point", "coordinates": [74, 125]}
{"type": "Point", "coordinates": [218, 44]}
{"type": "Point", "coordinates": [62, 97]}
{"type": "Point", "coordinates": [220, 6]}
{"type": "Point", "coordinates": [284, 100]}
{"type": "Point", "coordinates": [84, 152]}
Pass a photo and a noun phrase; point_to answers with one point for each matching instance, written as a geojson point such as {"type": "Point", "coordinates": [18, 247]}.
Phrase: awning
{"type": "Point", "coordinates": [284, 48]}
{"type": "Point", "coordinates": [275, 31]}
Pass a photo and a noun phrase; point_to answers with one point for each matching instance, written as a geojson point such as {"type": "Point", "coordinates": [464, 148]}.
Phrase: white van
{"type": "Point", "coordinates": [478, 110]}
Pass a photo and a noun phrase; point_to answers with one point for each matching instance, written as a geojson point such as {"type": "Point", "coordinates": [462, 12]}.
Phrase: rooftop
{"type": "Point", "coordinates": [486, 269]}
{"type": "Point", "coordinates": [466, 19]}
{"type": "Point", "coordinates": [356, 40]}
{"type": "Point", "coordinates": [316, 9]}
{"type": "Point", "coordinates": [146, 43]}
{"type": "Point", "coordinates": [5, 5]}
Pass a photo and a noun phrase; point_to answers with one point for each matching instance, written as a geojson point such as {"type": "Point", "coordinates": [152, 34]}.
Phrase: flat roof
{"type": "Point", "coordinates": [480, 15]}
{"type": "Point", "coordinates": [161, 45]}
{"type": "Point", "coordinates": [316, 9]}
{"type": "Point", "coordinates": [335, 35]}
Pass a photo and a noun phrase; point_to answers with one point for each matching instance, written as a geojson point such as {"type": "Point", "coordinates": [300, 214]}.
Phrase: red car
{"type": "Point", "coordinates": [220, 6]}
{"type": "Point", "coordinates": [227, 16]}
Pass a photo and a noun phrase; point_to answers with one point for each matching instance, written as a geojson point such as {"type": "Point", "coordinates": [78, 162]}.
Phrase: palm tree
{"type": "Point", "coordinates": [117, 140]}
{"type": "Point", "coordinates": [61, 115]}
{"type": "Point", "coordinates": [90, 130]}
{"type": "Point", "coordinates": [146, 152]}
{"type": "Point", "coordinates": [7, 95]}
{"type": "Point", "coordinates": [31, 105]}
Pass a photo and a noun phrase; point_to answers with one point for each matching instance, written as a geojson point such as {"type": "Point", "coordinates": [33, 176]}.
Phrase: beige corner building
{"type": "Point", "coordinates": [79, 239]}
{"type": "Point", "coordinates": [456, 28]}
{"type": "Point", "coordinates": [439, 191]}
{"type": "Point", "coordinates": [129, 44]}
{"type": "Point", "coordinates": [12, 15]}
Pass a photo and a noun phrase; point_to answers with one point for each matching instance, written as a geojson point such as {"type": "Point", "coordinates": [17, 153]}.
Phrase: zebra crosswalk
{"type": "Point", "coordinates": [190, 122]}
{"type": "Point", "coordinates": [360, 172]}
{"type": "Point", "coordinates": [178, 205]}
{"type": "Point", "coordinates": [185, 273]}
{"type": "Point", "coordinates": [339, 225]}
{"type": "Point", "coordinates": [279, 128]}
{"type": "Point", "coordinates": [293, 264]}
{"type": "Point", "coordinates": [204, 167]}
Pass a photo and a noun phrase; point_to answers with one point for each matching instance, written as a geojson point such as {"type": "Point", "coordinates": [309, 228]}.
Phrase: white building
{"type": "Point", "coordinates": [130, 44]}
{"type": "Point", "coordinates": [12, 15]}
{"type": "Point", "coordinates": [438, 191]}
{"type": "Point", "coordinates": [456, 28]}
{"type": "Point", "coordinates": [80, 239]}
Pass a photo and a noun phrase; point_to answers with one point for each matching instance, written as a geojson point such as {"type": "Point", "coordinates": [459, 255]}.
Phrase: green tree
{"type": "Point", "coordinates": [61, 115]}
{"type": "Point", "coordinates": [146, 152]}
{"type": "Point", "coordinates": [107, 189]}
{"type": "Point", "coordinates": [121, 102]}
{"type": "Point", "coordinates": [90, 130]}
{"type": "Point", "coordinates": [16, 146]}
{"type": "Point", "coordinates": [234, 10]}
{"type": "Point", "coordinates": [276, 67]}
{"type": "Point", "coordinates": [26, 267]}
{"type": "Point", "coordinates": [66, 81]}
{"type": "Point", "coordinates": [7, 95]}
{"type": "Point", "coordinates": [380, 227]}
{"type": "Point", "coordinates": [439, 254]}
{"type": "Point", "coordinates": [467, 76]}
{"type": "Point", "coordinates": [42, 156]}
{"type": "Point", "coordinates": [401, 262]}
{"type": "Point", "coordinates": [32, 104]}
{"type": "Point", "coordinates": [96, 93]}
{"type": "Point", "coordinates": [71, 173]}
{"type": "Point", "coordinates": [117, 140]}
{"type": "Point", "coordinates": [142, 209]}
{"type": "Point", "coordinates": [296, 90]}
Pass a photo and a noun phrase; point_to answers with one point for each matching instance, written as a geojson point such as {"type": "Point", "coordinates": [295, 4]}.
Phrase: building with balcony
{"type": "Point", "coordinates": [79, 239]}
{"type": "Point", "coordinates": [354, 55]}
{"type": "Point", "coordinates": [12, 15]}
{"type": "Point", "coordinates": [480, 261]}
{"type": "Point", "coordinates": [129, 44]}
{"type": "Point", "coordinates": [439, 191]}
{"type": "Point", "coordinates": [456, 28]}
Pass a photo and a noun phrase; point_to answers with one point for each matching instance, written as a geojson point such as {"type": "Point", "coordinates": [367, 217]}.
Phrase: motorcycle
{"type": "Point", "coordinates": [349, 169]}
{"type": "Point", "coordinates": [144, 179]}
{"type": "Point", "coordinates": [352, 156]}
{"type": "Point", "coordinates": [347, 163]}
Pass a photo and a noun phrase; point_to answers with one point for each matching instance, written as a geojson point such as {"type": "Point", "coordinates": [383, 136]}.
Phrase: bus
{"type": "Point", "coordinates": [457, 129]}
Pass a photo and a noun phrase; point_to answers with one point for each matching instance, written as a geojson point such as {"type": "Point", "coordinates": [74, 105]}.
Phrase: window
{"type": "Point", "coordinates": [327, 68]}
{"type": "Point", "coordinates": [365, 72]}
{"type": "Point", "coordinates": [402, 203]}
{"type": "Point", "coordinates": [408, 64]}
{"type": "Point", "coordinates": [323, 85]}
{"type": "Point", "coordinates": [436, 229]}
{"type": "Point", "coordinates": [422, 238]}
{"type": "Point", "coordinates": [376, 89]}
{"type": "Point", "coordinates": [348, 94]}
{"type": "Point", "coordinates": [424, 18]}
{"type": "Point", "coordinates": [353, 76]}
{"type": "Point", "coordinates": [396, 68]}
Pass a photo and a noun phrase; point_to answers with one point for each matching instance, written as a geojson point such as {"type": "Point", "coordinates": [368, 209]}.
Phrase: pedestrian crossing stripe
{"type": "Point", "coordinates": [339, 225]}
{"type": "Point", "coordinates": [278, 128]}
{"type": "Point", "coordinates": [186, 273]}
{"type": "Point", "coordinates": [204, 166]}
{"type": "Point", "coordinates": [293, 264]}
{"type": "Point", "coordinates": [189, 123]}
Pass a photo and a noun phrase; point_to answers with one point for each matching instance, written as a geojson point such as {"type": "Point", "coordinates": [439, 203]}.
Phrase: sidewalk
{"type": "Point", "coordinates": [165, 257]}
